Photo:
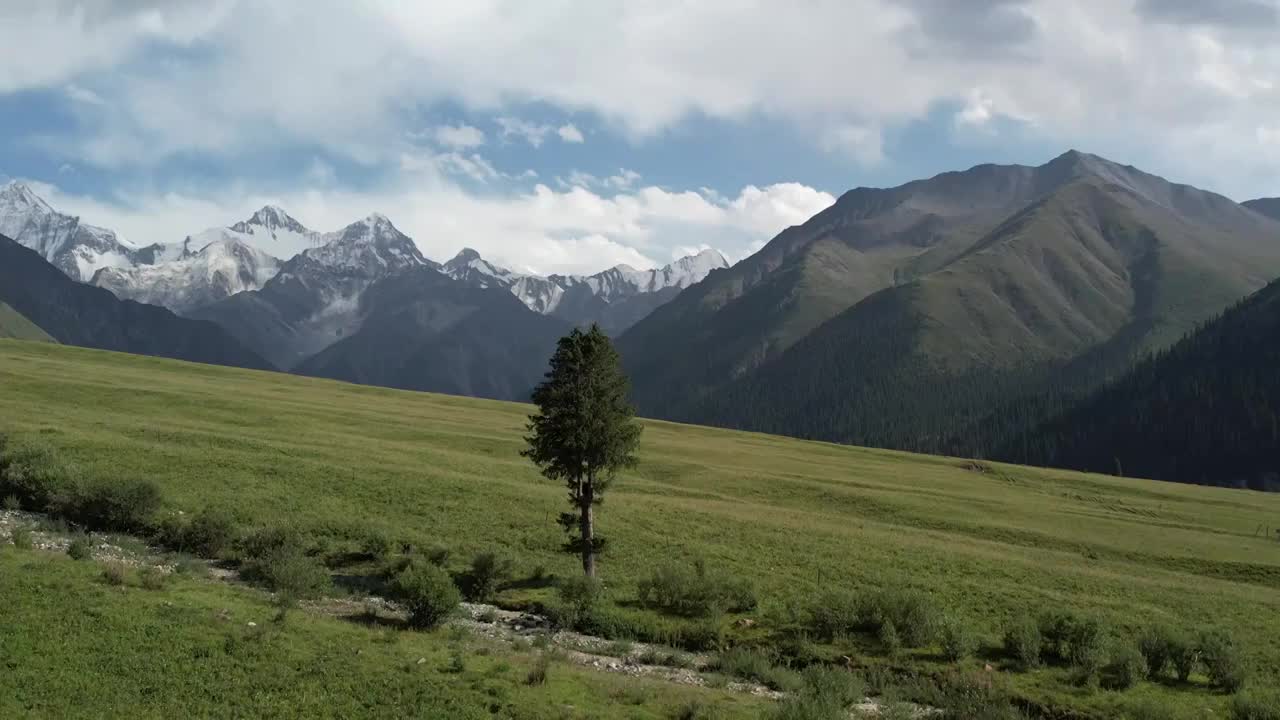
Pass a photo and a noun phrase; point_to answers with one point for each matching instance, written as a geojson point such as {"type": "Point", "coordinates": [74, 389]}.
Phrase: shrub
{"type": "Point", "coordinates": [1156, 644]}
{"type": "Point", "coordinates": [957, 639]}
{"type": "Point", "coordinates": [35, 475]}
{"type": "Point", "coordinates": [580, 597]}
{"type": "Point", "coordinates": [890, 642]}
{"type": "Point", "coordinates": [697, 710]}
{"type": "Point", "coordinates": [209, 533]}
{"type": "Point", "coordinates": [834, 614]}
{"type": "Point", "coordinates": [1255, 707]}
{"type": "Point", "coordinates": [294, 576]}
{"type": "Point", "coordinates": [152, 578]}
{"type": "Point", "coordinates": [1127, 666]}
{"type": "Point", "coordinates": [1023, 642]}
{"type": "Point", "coordinates": [539, 671]}
{"type": "Point", "coordinates": [114, 574]}
{"type": "Point", "coordinates": [377, 545]}
{"type": "Point", "coordinates": [913, 615]}
{"type": "Point", "coordinates": [438, 556]}
{"type": "Point", "coordinates": [11, 503]}
{"type": "Point", "coordinates": [120, 505]}
{"type": "Point", "coordinates": [429, 594]}
{"type": "Point", "coordinates": [268, 540]}
{"type": "Point", "coordinates": [488, 572]}
{"type": "Point", "coordinates": [1183, 656]}
{"type": "Point", "coordinates": [1055, 631]}
{"type": "Point", "coordinates": [695, 592]}
{"type": "Point", "coordinates": [754, 666]}
{"type": "Point", "coordinates": [841, 686]}
{"type": "Point", "coordinates": [1222, 660]}
{"type": "Point", "coordinates": [21, 538]}
{"type": "Point", "coordinates": [80, 548]}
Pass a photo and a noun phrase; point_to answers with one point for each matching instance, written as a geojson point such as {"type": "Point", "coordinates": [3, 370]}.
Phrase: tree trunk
{"type": "Point", "coordinates": [586, 527]}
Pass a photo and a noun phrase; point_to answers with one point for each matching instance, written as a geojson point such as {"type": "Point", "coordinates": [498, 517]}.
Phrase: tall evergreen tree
{"type": "Point", "coordinates": [584, 431]}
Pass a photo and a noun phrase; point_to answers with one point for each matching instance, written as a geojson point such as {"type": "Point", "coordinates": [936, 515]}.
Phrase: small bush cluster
{"type": "Point", "coordinates": [486, 575]}
{"type": "Point", "coordinates": [897, 617]}
{"type": "Point", "coordinates": [21, 538]}
{"type": "Point", "coordinates": [80, 548]}
{"type": "Point", "coordinates": [1222, 661]}
{"type": "Point", "coordinates": [276, 558]}
{"type": "Point", "coordinates": [429, 594]}
{"type": "Point", "coordinates": [825, 694]}
{"type": "Point", "coordinates": [1255, 707]}
{"type": "Point", "coordinates": [208, 533]}
{"type": "Point", "coordinates": [1023, 642]}
{"type": "Point", "coordinates": [695, 592]}
{"type": "Point", "coordinates": [755, 666]}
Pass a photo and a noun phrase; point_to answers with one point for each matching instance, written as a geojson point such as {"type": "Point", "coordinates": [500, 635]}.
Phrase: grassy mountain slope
{"type": "Point", "coordinates": [77, 314]}
{"type": "Point", "coordinates": [423, 330]}
{"type": "Point", "coordinates": [1206, 411]}
{"type": "Point", "coordinates": [15, 326]}
{"type": "Point", "coordinates": [1106, 265]}
{"type": "Point", "coordinates": [1267, 206]}
{"type": "Point", "coordinates": [796, 518]}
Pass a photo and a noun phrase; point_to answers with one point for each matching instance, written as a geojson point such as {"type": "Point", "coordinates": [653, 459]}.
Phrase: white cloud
{"type": "Point", "coordinates": [624, 179]}
{"type": "Point", "coordinates": [861, 143]}
{"type": "Point", "coordinates": [541, 229]}
{"type": "Point", "coordinates": [570, 133]}
{"type": "Point", "coordinates": [1146, 78]}
{"type": "Point", "coordinates": [532, 133]}
{"type": "Point", "coordinates": [458, 136]}
{"type": "Point", "coordinates": [83, 95]}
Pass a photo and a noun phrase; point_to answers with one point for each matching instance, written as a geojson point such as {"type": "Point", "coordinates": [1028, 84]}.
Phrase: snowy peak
{"type": "Point", "coordinates": [271, 219]}
{"type": "Point", "coordinates": [75, 248]}
{"type": "Point", "coordinates": [220, 269]}
{"type": "Point", "coordinates": [17, 197]}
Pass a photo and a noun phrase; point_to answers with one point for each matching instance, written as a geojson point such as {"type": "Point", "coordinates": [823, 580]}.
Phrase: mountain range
{"type": "Point", "coordinates": [311, 308]}
{"type": "Point", "coordinates": [947, 314]}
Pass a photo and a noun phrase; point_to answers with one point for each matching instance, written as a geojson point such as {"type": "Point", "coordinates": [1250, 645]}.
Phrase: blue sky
{"type": "Point", "coordinates": [568, 136]}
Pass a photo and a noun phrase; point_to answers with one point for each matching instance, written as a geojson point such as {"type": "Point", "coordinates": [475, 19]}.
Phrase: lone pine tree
{"type": "Point", "coordinates": [584, 431]}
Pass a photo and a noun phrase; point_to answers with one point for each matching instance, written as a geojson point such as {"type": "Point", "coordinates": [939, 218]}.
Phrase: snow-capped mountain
{"type": "Point", "coordinates": [77, 249]}
{"type": "Point", "coordinates": [270, 230]}
{"type": "Point", "coordinates": [218, 270]}
{"type": "Point", "coordinates": [583, 298]}
{"type": "Point", "coordinates": [314, 300]}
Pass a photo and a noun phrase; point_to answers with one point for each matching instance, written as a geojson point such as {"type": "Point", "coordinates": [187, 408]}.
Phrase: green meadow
{"type": "Point", "coordinates": [985, 542]}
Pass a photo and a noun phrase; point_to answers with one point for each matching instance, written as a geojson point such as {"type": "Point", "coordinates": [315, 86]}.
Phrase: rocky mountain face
{"type": "Point", "coordinates": [313, 301]}
{"type": "Point", "coordinates": [217, 271]}
{"type": "Point", "coordinates": [423, 330]}
{"type": "Point", "coordinates": [615, 298]}
{"type": "Point", "coordinates": [77, 314]}
{"type": "Point", "coordinates": [942, 314]}
{"type": "Point", "coordinates": [76, 248]}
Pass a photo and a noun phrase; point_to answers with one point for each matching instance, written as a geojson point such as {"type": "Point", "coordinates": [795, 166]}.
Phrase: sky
{"type": "Point", "coordinates": [568, 136]}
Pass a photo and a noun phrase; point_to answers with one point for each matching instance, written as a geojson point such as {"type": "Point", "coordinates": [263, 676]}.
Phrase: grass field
{"type": "Point", "coordinates": [14, 325]}
{"type": "Point", "coordinates": [988, 543]}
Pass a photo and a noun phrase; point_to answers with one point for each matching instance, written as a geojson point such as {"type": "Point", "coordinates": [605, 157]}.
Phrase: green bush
{"type": "Point", "coordinates": [11, 503]}
{"type": "Point", "coordinates": [429, 594]}
{"type": "Point", "coordinates": [957, 639]}
{"type": "Point", "coordinates": [889, 639]}
{"type": "Point", "coordinates": [1127, 666]}
{"type": "Point", "coordinates": [912, 614]}
{"type": "Point", "coordinates": [1223, 661]}
{"type": "Point", "coordinates": [21, 538]}
{"type": "Point", "coordinates": [35, 474]}
{"type": "Point", "coordinates": [294, 576]}
{"type": "Point", "coordinates": [756, 667]}
{"type": "Point", "coordinates": [377, 545]}
{"type": "Point", "coordinates": [439, 556]}
{"type": "Point", "coordinates": [114, 574]}
{"type": "Point", "coordinates": [1183, 656]}
{"type": "Point", "coordinates": [119, 505]}
{"type": "Point", "coordinates": [834, 614]}
{"type": "Point", "coordinates": [209, 533]}
{"type": "Point", "coordinates": [695, 592]}
{"type": "Point", "coordinates": [1023, 642]}
{"type": "Point", "coordinates": [538, 672]}
{"type": "Point", "coordinates": [580, 597]}
{"type": "Point", "coordinates": [1156, 645]}
{"type": "Point", "coordinates": [1055, 631]}
{"type": "Point", "coordinates": [488, 572]}
{"type": "Point", "coordinates": [1255, 707]}
{"type": "Point", "coordinates": [152, 578]}
{"type": "Point", "coordinates": [80, 548]}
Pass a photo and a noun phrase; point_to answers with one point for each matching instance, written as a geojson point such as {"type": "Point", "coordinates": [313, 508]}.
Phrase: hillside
{"type": "Point", "coordinates": [1267, 206]}
{"type": "Point", "coordinates": [1005, 284]}
{"type": "Point", "coordinates": [14, 326]}
{"type": "Point", "coordinates": [1206, 411]}
{"type": "Point", "coordinates": [987, 542]}
{"type": "Point", "coordinates": [77, 314]}
{"type": "Point", "coordinates": [423, 330]}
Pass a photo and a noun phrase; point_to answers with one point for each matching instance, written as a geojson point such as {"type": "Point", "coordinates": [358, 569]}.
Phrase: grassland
{"type": "Point", "coordinates": [14, 325]}
{"type": "Point", "coordinates": [987, 542]}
